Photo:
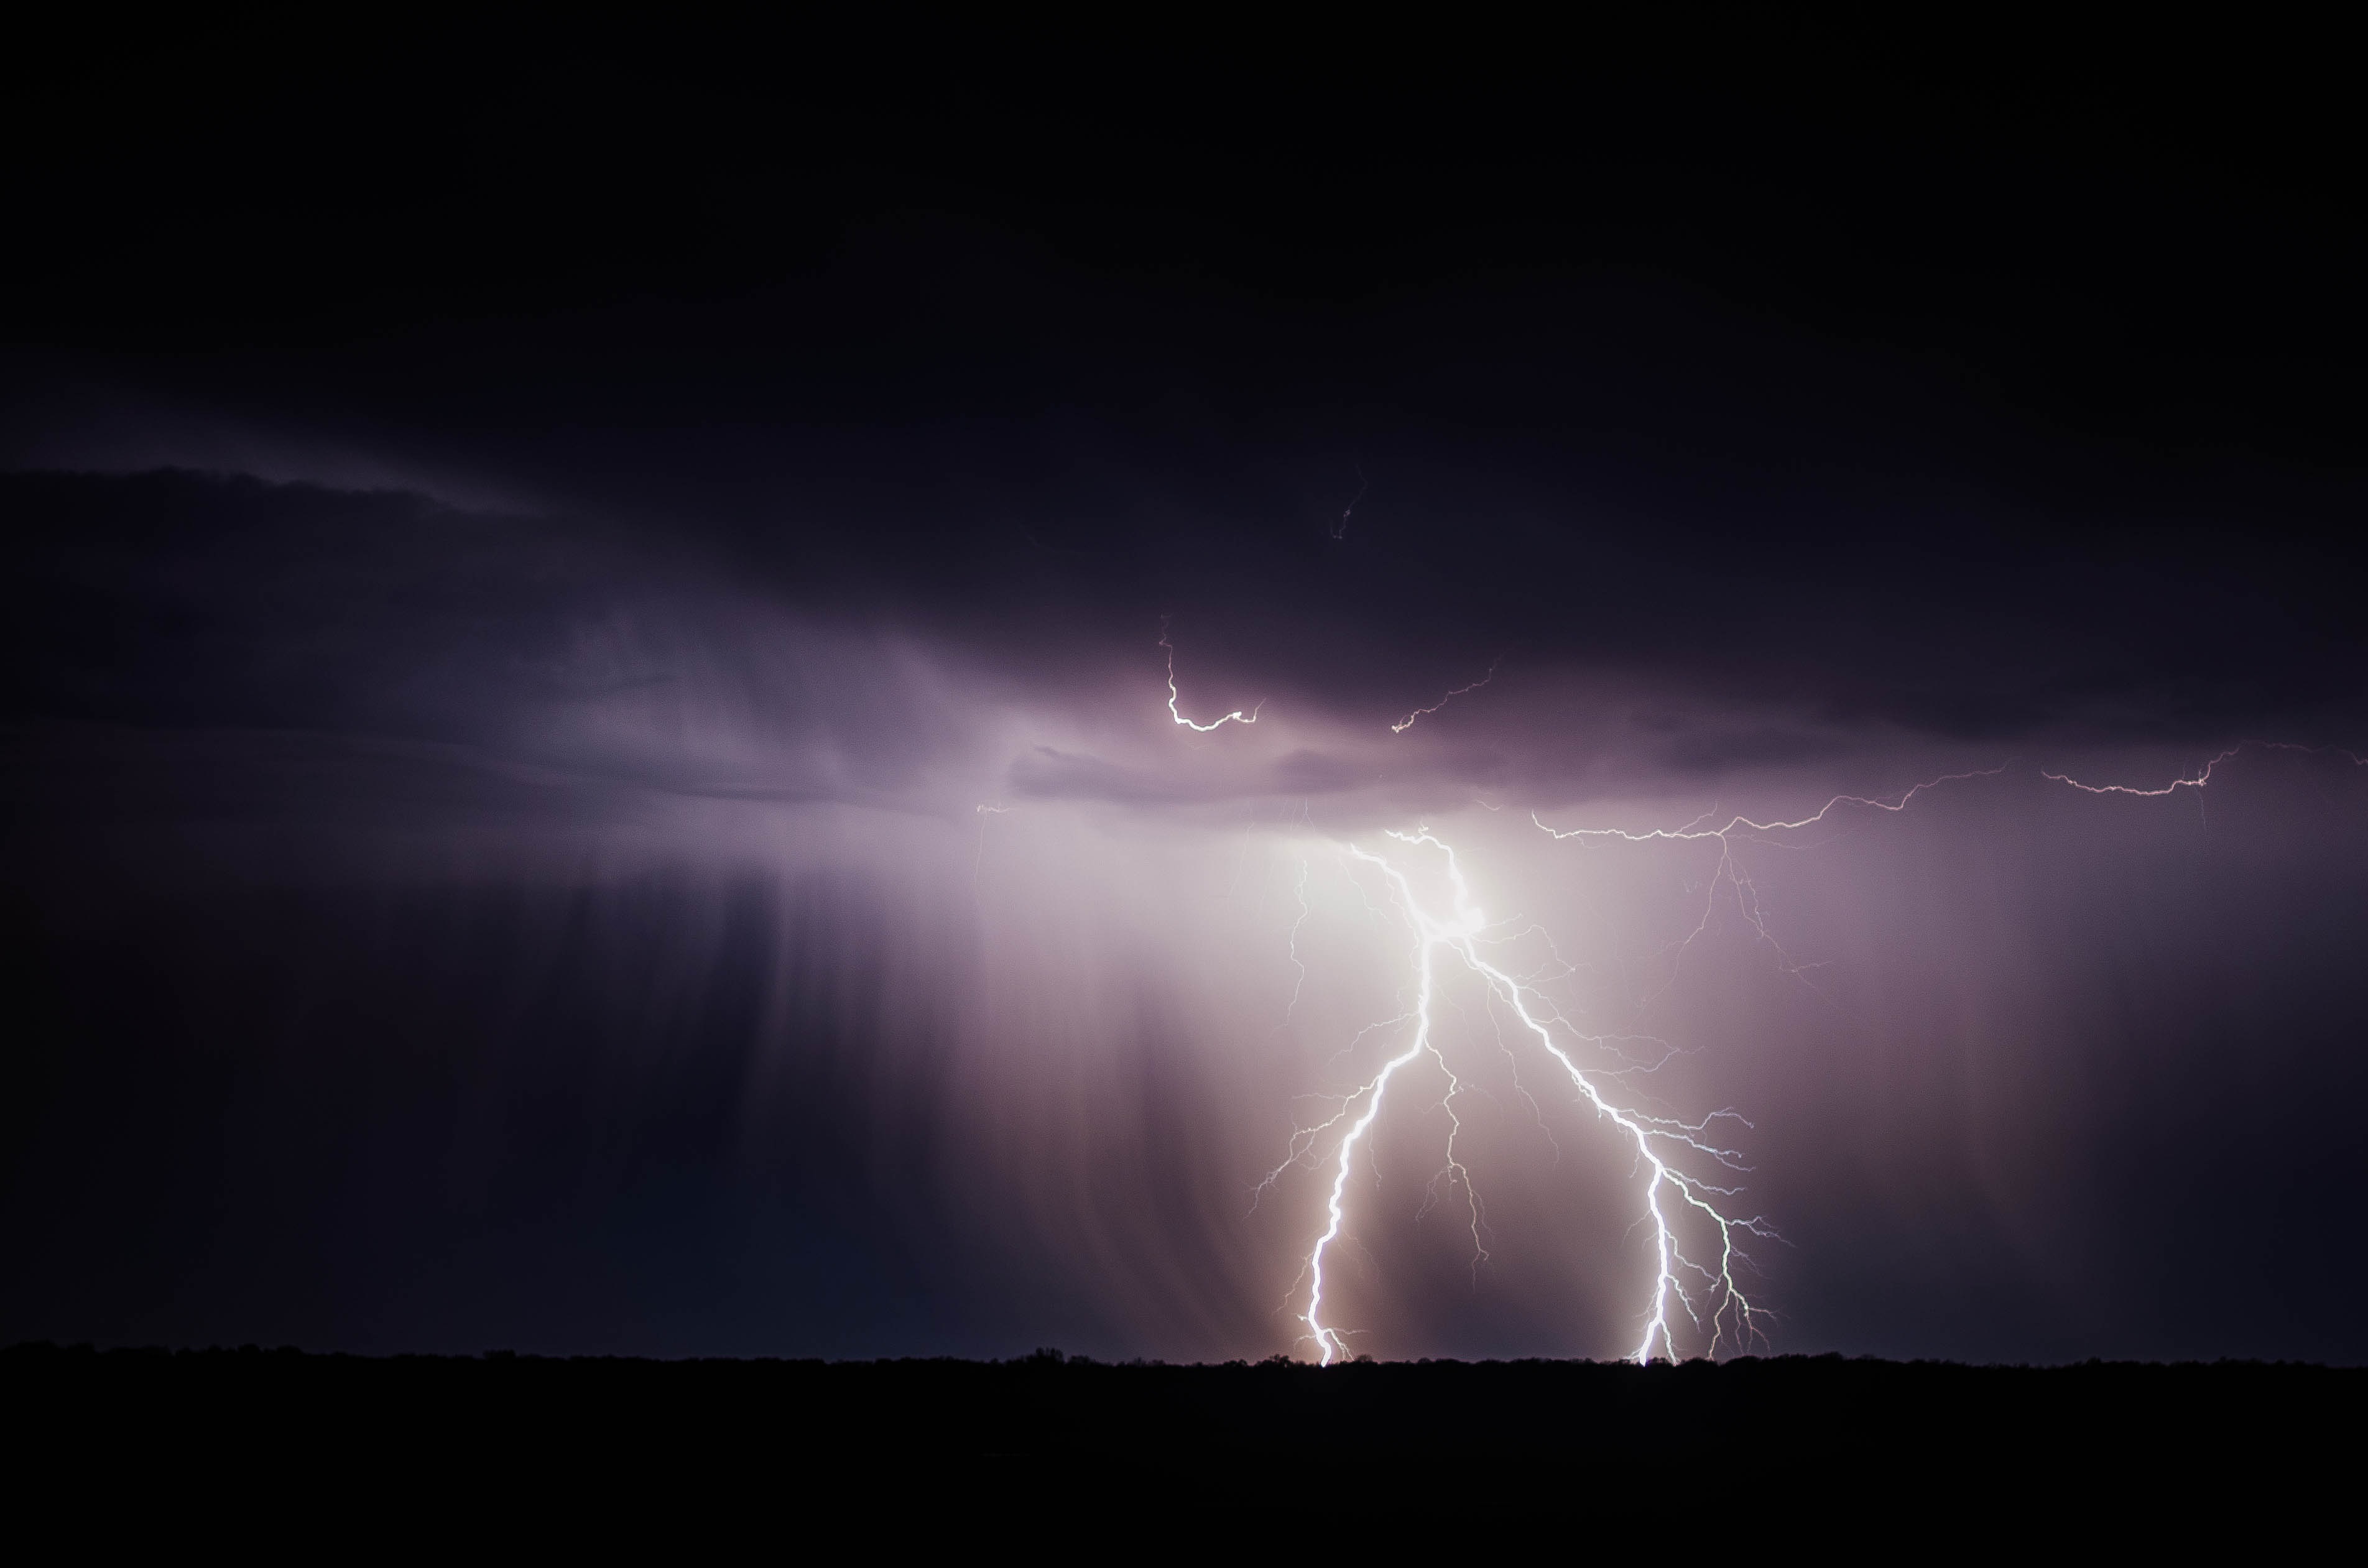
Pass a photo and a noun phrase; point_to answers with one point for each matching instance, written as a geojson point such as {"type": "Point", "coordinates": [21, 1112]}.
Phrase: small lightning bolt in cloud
{"type": "Point", "coordinates": [1403, 725]}
{"type": "Point", "coordinates": [1236, 717]}
{"type": "Point", "coordinates": [2203, 778]}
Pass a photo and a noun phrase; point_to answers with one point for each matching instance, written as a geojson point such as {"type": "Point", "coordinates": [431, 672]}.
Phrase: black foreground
{"type": "Point", "coordinates": [2245, 1448]}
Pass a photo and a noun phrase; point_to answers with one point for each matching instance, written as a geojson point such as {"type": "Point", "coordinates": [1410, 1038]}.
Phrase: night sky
{"type": "Point", "coordinates": [589, 764]}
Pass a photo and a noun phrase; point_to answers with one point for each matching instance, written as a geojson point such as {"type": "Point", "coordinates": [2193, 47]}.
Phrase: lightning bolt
{"type": "Point", "coordinates": [1403, 725]}
{"type": "Point", "coordinates": [1670, 1153]}
{"type": "Point", "coordinates": [1731, 874]}
{"type": "Point", "coordinates": [1682, 1165]}
{"type": "Point", "coordinates": [2204, 775]}
{"type": "Point", "coordinates": [1236, 717]}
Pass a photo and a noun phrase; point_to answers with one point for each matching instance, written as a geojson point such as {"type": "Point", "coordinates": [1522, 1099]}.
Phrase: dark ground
{"type": "Point", "coordinates": [1795, 1449]}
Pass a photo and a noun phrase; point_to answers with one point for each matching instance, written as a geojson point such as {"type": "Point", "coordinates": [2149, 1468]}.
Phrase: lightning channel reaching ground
{"type": "Point", "coordinates": [1671, 1154]}
{"type": "Point", "coordinates": [1683, 1166]}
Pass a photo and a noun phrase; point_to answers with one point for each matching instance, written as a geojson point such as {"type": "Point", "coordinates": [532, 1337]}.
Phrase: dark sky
{"type": "Point", "coordinates": [589, 763]}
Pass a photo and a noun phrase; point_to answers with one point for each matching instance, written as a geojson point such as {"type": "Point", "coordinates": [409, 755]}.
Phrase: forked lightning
{"type": "Point", "coordinates": [1682, 1165]}
{"type": "Point", "coordinates": [1706, 1290]}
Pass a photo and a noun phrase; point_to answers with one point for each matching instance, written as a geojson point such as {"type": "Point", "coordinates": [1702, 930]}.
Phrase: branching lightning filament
{"type": "Point", "coordinates": [1730, 874]}
{"type": "Point", "coordinates": [1696, 1304]}
{"type": "Point", "coordinates": [1672, 1156]}
{"type": "Point", "coordinates": [1403, 725]}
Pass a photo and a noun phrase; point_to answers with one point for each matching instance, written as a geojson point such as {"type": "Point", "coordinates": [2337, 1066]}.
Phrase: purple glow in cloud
{"type": "Point", "coordinates": [721, 753]}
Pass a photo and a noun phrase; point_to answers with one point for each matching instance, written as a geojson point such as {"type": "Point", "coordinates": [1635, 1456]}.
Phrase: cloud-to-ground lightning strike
{"type": "Point", "coordinates": [1236, 717]}
{"type": "Point", "coordinates": [1707, 1292]}
{"type": "Point", "coordinates": [1681, 1163]}
{"type": "Point", "coordinates": [1403, 725]}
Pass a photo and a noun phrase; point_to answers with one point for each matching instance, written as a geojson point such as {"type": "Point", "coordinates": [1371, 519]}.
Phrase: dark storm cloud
{"type": "Point", "coordinates": [1600, 487]}
{"type": "Point", "coordinates": [589, 762]}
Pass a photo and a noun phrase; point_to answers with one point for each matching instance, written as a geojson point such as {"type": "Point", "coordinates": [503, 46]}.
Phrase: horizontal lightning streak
{"type": "Point", "coordinates": [1693, 831]}
{"type": "Point", "coordinates": [1730, 872]}
{"type": "Point", "coordinates": [2204, 775]}
{"type": "Point", "coordinates": [1403, 725]}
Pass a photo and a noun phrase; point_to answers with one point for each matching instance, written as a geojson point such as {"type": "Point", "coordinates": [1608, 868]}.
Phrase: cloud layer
{"type": "Point", "coordinates": [450, 927]}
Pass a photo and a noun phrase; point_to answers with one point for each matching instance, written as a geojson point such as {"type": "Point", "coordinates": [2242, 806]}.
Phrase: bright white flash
{"type": "Point", "coordinates": [1731, 878]}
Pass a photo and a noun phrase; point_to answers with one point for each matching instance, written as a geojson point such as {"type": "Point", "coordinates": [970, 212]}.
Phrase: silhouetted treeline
{"type": "Point", "coordinates": [2234, 1438]}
